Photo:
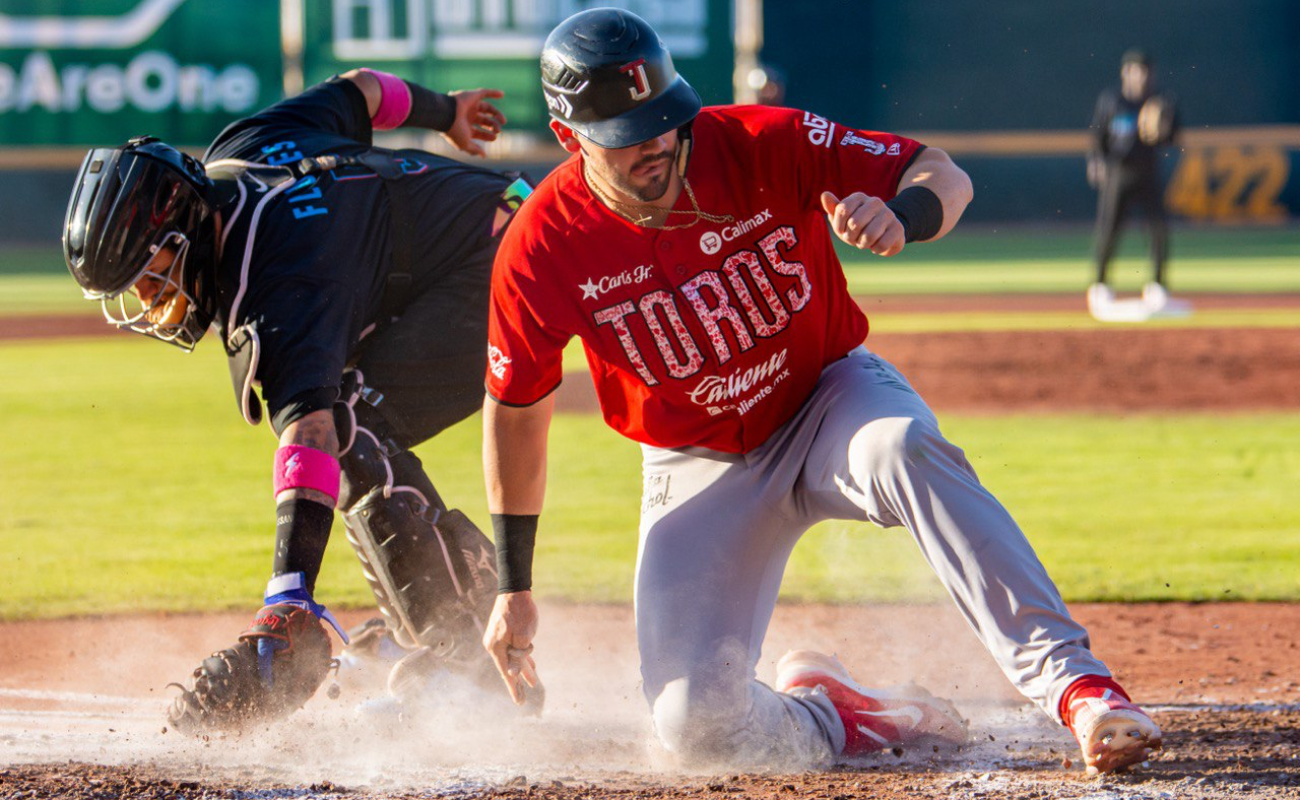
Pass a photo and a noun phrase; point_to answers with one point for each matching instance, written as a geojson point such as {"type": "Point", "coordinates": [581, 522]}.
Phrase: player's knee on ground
{"type": "Point", "coordinates": [701, 722]}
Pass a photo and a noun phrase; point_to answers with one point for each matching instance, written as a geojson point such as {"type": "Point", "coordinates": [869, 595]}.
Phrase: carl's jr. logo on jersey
{"type": "Point", "coordinates": [628, 277]}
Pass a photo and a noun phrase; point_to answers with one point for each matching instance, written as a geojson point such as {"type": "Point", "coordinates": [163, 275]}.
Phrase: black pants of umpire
{"type": "Point", "coordinates": [1121, 191]}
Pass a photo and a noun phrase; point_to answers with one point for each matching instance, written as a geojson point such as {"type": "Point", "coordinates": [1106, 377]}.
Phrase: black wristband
{"type": "Point", "coordinates": [430, 109]}
{"type": "Point", "coordinates": [302, 529]}
{"type": "Point", "coordinates": [920, 211]}
{"type": "Point", "coordinates": [515, 535]}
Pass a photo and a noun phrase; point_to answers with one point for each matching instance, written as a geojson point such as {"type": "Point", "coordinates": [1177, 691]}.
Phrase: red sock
{"type": "Point", "coordinates": [1087, 686]}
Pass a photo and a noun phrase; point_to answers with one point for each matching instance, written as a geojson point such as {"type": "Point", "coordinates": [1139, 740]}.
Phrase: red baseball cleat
{"type": "Point", "coordinates": [874, 719]}
{"type": "Point", "coordinates": [1112, 731]}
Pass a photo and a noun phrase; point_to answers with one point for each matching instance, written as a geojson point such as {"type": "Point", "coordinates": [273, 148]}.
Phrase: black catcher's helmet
{"type": "Point", "coordinates": [606, 75]}
{"type": "Point", "coordinates": [129, 203]}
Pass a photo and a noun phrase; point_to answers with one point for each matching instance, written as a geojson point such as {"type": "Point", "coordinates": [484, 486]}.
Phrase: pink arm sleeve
{"type": "Point", "coordinates": [394, 101]}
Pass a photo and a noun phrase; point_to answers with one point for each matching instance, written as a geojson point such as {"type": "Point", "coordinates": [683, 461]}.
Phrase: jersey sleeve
{"type": "Point", "coordinates": [336, 106]}
{"type": "Point", "coordinates": [303, 328]}
{"type": "Point", "coordinates": [525, 350]}
{"type": "Point", "coordinates": [827, 156]}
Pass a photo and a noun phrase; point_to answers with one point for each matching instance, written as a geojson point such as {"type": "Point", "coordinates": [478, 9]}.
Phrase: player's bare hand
{"type": "Point", "coordinates": [477, 119]}
{"type": "Point", "coordinates": [864, 222]}
{"type": "Point", "coordinates": [1096, 171]}
{"type": "Point", "coordinates": [509, 640]}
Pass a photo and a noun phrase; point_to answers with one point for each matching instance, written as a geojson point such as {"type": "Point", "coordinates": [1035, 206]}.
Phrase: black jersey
{"type": "Point", "coordinates": [1115, 131]}
{"type": "Point", "coordinates": [306, 256]}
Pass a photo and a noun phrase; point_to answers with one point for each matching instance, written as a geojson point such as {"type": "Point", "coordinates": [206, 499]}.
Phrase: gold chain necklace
{"type": "Point", "coordinates": [644, 219]}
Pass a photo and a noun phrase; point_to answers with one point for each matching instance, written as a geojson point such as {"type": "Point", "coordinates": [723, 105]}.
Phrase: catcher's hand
{"type": "Point", "coordinates": [476, 120]}
{"type": "Point", "coordinates": [509, 640]}
{"type": "Point", "coordinates": [277, 665]}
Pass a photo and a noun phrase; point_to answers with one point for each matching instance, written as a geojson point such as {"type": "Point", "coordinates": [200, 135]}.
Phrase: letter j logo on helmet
{"type": "Point", "coordinates": [636, 70]}
{"type": "Point", "coordinates": [711, 242]}
{"type": "Point", "coordinates": [617, 77]}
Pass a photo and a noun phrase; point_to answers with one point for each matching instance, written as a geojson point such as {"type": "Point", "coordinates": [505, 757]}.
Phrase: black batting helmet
{"type": "Point", "coordinates": [129, 203]}
{"type": "Point", "coordinates": [606, 75]}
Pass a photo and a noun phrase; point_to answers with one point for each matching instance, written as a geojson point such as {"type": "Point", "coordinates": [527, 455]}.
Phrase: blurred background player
{"type": "Point", "coordinates": [1128, 129]}
{"type": "Point", "coordinates": [349, 283]}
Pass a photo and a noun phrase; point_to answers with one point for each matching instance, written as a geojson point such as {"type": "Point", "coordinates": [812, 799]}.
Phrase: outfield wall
{"type": "Point", "coordinates": [1006, 88]}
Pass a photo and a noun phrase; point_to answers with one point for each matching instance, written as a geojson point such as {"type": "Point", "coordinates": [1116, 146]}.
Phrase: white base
{"type": "Point", "coordinates": [1173, 308]}
{"type": "Point", "coordinates": [1134, 309]}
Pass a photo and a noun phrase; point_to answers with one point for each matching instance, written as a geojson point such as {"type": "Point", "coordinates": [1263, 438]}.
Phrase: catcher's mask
{"type": "Point", "coordinates": [140, 237]}
{"type": "Point", "coordinates": [606, 75]}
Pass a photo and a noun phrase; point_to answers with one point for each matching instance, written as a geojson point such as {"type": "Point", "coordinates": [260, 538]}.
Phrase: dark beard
{"type": "Point", "coordinates": [650, 192]}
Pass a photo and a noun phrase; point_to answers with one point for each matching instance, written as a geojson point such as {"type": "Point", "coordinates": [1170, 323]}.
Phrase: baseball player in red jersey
{"type": "Point", "coordinates": [688, 248]}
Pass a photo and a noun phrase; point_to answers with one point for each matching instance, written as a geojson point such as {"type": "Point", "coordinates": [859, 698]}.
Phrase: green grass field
{"type": "Point", "coordinates": [983, 261]}
{"type": "Point", "coordinates": [130, 482]}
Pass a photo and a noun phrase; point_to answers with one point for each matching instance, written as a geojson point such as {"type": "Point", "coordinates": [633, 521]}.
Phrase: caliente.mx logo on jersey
{"type": "Point", "coordinates": [716, 391]}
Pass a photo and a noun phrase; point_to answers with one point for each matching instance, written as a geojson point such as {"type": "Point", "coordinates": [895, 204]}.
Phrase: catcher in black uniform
{"type": "Point", "coordinates": [350, 284]}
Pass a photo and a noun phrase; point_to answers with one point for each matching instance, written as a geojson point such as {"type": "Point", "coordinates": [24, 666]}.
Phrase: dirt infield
{"type": "Point", "coordinates": [1220, 678]}
{"type": "Point", "coordinates": [1120, 369]}
{"type": "Point", "coordinates": [1000, 372]}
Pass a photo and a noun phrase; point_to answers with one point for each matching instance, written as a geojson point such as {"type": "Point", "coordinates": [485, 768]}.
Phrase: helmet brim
{"type": "Point", "coordinates": [678, 105]}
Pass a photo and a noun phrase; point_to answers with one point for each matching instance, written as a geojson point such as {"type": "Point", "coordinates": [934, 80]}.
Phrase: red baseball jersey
{"type": "Point", "coordinates": [712, 335]}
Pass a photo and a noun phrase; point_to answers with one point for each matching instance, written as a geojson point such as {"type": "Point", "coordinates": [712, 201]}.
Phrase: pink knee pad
{"type": "Point", "coordinates": [300, 467]}
{"type": "Point", "coordinates": [394, 101]}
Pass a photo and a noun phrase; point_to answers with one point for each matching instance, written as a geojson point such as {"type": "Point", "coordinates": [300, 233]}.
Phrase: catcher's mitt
{"type": "Point", "coordinates": [277, 665]}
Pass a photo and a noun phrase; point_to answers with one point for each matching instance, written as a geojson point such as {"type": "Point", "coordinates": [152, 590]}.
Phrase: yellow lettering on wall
{"type": "Point", "coordinates": [1230, 184]}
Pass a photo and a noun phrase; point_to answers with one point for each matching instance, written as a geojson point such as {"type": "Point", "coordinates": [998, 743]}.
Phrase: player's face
{"type": "Point", "coordinates": [159, 294]}
{"type": "Point", "coordinates": [1134, 79]}
{"type": "Point", "coordinates": [642, 172]}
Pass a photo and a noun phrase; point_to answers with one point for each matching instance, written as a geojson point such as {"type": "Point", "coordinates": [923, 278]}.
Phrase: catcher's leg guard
{"type": "Point", "coordinates": [432, 571]}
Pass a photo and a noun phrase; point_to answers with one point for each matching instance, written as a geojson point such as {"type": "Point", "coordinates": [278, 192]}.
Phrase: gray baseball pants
{"type": "Point", "coordinates": [717, 530]}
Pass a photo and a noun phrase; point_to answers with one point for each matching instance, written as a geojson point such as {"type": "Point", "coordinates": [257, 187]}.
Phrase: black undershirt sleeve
{"type": "Point", "coordinates": [302, 404]}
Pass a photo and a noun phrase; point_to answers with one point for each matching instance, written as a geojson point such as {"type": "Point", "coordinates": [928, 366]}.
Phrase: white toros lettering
{"type": "Point", "coordinates": [716, 389]}
{"type": "Point", "coordinates": [152, 81]}
{"type": "Point", "coordinates": [628, 277]}
{"type": "Point", "coordinates": [711, 242]}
